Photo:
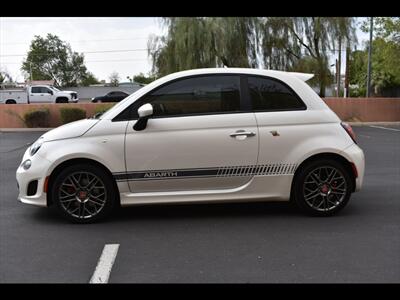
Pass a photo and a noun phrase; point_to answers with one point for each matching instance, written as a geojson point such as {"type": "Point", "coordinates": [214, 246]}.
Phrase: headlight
{"type": "Point", "coordinates": [27, 164]}
{"type": "Point", "coordinates": [35, 147]}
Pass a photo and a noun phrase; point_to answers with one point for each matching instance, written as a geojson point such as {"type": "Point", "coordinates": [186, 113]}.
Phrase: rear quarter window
{"type": "Point", "coordinates": [268, 94]}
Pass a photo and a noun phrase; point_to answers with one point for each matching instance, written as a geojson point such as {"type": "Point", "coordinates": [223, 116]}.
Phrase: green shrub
{"type": "Point", "coordinates": [101, 108]}
{"type": "Point", "coordinates": [37, 118]}
{"type": "Point", "coordinates": [69, 114]}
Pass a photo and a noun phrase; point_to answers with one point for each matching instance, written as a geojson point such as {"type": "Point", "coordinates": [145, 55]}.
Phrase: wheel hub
{"type": "Point", "coordinates": [82, 196]}
{"type": "Point", "coordinates": [325, 189]}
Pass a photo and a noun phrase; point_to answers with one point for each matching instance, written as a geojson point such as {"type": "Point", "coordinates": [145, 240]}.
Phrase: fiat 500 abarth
{"type": "Point", "coordinates": [206, 135]}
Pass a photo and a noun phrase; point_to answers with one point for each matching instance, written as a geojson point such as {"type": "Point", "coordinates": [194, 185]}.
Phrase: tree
{"type": "Point", "coordinates": [387, 28]}
{"type": "Point", "coordinates": [89, 79]}
{"type": "Point", "coordinates": [114, 79]}
{"type": "Point", "coordinates": [141, 78]}
{"type": "Point", "coordinates": [204, 42]}
{"type": "Point", "coordinates": [287, 43]}
{"type": "Point", "coordinates": [5, 77]}
{"type": "Point", "coordinates": [282, 43]}
{"type": "Point", "coordinates": [52, 59]}
{"type": "Point", "coordinates": [385, 70]}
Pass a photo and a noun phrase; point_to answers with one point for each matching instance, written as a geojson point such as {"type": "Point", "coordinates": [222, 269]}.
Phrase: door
{"type": "Point", "coordinates": [40, 94]}
{"type": "Point", "coordinates": [199, 137]}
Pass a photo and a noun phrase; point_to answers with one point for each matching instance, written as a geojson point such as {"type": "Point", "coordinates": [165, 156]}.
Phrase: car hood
{"type": "Point", "coordinates": [68, 91]}
{"type": "Point", "coordinates": [70, 130]}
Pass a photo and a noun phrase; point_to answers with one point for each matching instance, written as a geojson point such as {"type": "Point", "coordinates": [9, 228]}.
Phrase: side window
{"type": "Point", "coordinates": [46, 90]}
{"type": "Point", "coordinates": [270, 94]}
{"type": "Point", "coordinates": [36, 90]}
{"type": "Point", "coordinates": [196, 95]}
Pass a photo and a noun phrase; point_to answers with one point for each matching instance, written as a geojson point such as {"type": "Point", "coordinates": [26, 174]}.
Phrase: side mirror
{"type": "Point", "coordinates": [144, 112]}
{"type": "Point", "coordinates": [51, 92]}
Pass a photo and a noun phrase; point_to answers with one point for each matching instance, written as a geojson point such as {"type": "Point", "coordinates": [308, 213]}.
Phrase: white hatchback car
{"type": "Point", "coordinates": [206, 135]}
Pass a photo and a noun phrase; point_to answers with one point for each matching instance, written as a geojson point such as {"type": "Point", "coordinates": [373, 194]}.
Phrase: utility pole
{"type": "Point", "coordinates": [369, 58]}
{"type": "Point", "coordinates": [347, 79]}
{"type": "Point", "coordinates": [30, 66]}
{"type": "Point", "coordinates": [337, 82]}
{"type": "Point", "coordinates": [339, 66]}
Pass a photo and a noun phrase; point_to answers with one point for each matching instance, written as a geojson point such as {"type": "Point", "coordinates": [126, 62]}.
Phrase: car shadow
{"type": "Point", "coordinates": [183, 211]}
{"type": "Point", "coordinates": [205, 210]}
{"type": "Point", "coordinates": [194, 211]}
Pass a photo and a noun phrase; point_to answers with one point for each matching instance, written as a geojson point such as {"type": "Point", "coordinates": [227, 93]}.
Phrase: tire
{"type": "Point", "coordinates": [11, 102]}
{"type": "Point", "coordinates": [61, 100]}
{"type": "Point", "coordinates": [89, 201]}
{"type": "Point", "coordinates": [317, 194]}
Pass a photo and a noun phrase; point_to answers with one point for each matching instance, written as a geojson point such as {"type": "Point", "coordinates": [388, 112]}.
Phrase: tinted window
{"type": "Point", "coordinates": [269, 94]}
{"type": "Point", "coordinates": [196, 95]}
{"type": "Point", "coordinates": [36, 90]}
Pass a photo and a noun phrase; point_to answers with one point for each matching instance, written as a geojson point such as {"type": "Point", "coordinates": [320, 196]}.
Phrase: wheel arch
{"type": "Point", "coordinates": [325, 155]}
{"type": "Point", "coordinates": [61, 98]}
{"type": "Point", "coordinates": [76, 161]}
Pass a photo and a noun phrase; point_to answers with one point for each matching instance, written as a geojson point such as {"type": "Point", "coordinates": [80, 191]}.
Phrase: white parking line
{"type": "Point", "coordinates": [384, 128]}
{"type": "Point", "coordinates": [105, 263]}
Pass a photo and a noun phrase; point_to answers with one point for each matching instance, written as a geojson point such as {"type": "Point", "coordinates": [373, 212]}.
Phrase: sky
{"type": "Point", "coordinates": [90, 34]}
{"type": "Point", "coordinates": [84, 35]}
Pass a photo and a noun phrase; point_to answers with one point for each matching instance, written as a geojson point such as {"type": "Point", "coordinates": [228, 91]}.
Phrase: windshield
{"type": "Point", "coordinates": [54, 88]}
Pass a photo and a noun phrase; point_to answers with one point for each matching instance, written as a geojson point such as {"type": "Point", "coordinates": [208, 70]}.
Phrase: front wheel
{"type": "Point", "coordinates": [83, 193]}
{"type": "Point", "coordinates": [322, 187]}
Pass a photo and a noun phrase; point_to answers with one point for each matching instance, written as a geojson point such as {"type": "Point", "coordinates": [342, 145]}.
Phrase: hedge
{"type": "Point", "coordinates": [37, 118]}
{"type": "Point", "coordinates": [69, 114]}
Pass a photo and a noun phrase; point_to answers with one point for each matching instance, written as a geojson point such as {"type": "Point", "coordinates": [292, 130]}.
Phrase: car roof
{"type": "Point", "coordinates": [263, 72]}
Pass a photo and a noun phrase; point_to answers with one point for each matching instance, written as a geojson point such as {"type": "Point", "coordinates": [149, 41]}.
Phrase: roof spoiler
{"type": "Point", "coordinates": [302, 76]}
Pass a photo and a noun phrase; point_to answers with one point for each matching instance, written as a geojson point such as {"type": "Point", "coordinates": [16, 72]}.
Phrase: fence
{"type": "Point", "coordinates": [362, 109]}
{"type": "Point", "coordinates": [366, 109]}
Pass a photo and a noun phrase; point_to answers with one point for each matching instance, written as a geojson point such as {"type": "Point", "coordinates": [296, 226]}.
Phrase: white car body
{"type": "Point", "coordinates": [37, 94]}
{"type": "Point", "coordinates": [195, 158]}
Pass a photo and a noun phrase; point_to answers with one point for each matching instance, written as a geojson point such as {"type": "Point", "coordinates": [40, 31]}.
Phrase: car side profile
{"type": "Point", "coordinates": [114, 96]}
{"type": "Point", "coordinates": [205, 135]}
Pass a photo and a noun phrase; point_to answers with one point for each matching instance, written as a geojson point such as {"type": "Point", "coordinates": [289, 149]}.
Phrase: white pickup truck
{"type": "Point", "coordinates": [37, 94]}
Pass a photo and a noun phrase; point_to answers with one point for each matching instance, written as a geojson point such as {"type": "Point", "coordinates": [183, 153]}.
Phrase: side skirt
{"type": "Point", "coordinates": [259, 188]}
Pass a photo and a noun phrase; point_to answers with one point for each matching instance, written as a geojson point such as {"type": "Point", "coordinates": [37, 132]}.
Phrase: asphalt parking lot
{"type": "Point", "coordinates": [221, 243]}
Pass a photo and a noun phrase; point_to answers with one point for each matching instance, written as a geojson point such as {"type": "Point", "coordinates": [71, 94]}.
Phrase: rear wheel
{"type": "Point", "coordinates": [83, 193]}
{"type": "Point", "coordinates": [322, 187]}
{"type": "Point", "coordinates": [11, 102]}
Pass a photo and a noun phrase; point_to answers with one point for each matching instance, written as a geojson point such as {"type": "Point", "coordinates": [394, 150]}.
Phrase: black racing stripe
{"type": "Point", "coordinates": [271, 169]}
{"type": "Point", "coordinates": [167, 174]}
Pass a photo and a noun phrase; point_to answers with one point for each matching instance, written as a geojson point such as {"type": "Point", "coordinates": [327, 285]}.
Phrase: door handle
{"type": "Point", "coordinates": [242, 133]}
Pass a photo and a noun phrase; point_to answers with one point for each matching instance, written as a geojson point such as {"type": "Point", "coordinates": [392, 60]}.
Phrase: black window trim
{"type": "Point", "coordinates": [242, 97]}
{"type": "Point", "coordinates": [246, 105]}
{"type": "Point", "coordinates": [247, 91]}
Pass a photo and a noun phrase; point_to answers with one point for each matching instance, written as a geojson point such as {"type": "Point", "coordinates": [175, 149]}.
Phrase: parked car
{"type": "Point", "coordinates": [206, 135]}
{"type": "Point", "coordinates": [37, 94]}
{"type": "Point", "coordinates": [114, 96]}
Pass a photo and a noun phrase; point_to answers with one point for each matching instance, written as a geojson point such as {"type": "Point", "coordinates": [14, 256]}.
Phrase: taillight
{"type": "Point", "coordinates": [349, 130]}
